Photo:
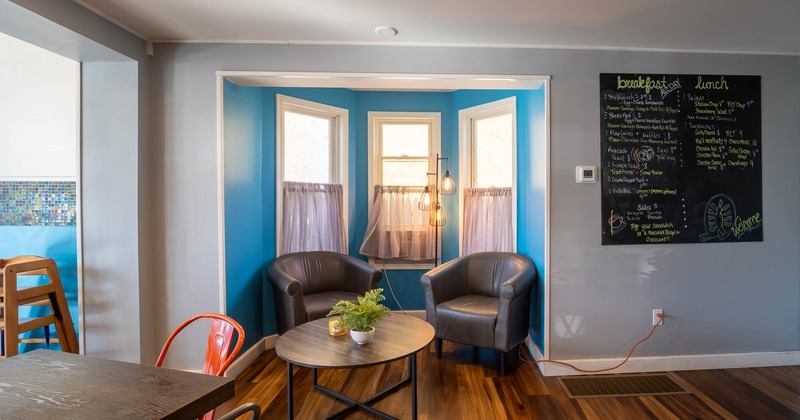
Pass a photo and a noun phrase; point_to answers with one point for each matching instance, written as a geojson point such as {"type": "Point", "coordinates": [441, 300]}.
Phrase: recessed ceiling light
{"type": "Point", "coordinates": [385, 31]}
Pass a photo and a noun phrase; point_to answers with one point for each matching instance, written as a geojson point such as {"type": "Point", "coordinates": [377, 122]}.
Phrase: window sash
{"type": "Point", "coordinates": [477, 156]}
{"type": "Point", "coordinates": [378, 142]}
{"type": "Point", "coordinates": [333, 141]}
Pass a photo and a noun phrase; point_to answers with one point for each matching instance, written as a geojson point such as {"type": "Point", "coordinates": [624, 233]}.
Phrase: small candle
{"type": "Point", "coordinates": [334, 328]}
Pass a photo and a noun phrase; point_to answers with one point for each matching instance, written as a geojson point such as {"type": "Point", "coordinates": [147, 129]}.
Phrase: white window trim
{"type": "Point", "coordinates": [339, 143]}
{"type": "Point", "coordinates": [374, 119]}
{"type": "Point", "coordinates": [465, 146]}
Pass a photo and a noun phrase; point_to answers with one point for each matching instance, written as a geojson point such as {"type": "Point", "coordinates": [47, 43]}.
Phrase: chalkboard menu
{"type": "Point", "coordinates": [681, 158]}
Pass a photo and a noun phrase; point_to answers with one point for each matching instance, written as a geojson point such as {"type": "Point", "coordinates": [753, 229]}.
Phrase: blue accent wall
{"type": "Point", "coordinates": [56, 242]}
{"type": "Point", "coordinates": [256, 213]}
{"type": "Point", "coordinates": [532, 209]}
{"type": "Point", "coordinates": [244, 243]}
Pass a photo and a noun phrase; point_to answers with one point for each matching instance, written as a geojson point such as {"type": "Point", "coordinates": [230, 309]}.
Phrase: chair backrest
{"type": "Point", "coordinates": [487, 271]}
{"type": "Point", "coordinates": [48, 293]}
{"type": "Point", "coordinates": [220, 336]}
{"type": "Point", "coordinates": [317, 271]}
{"type": "Point", "coordinates": [253, 408]}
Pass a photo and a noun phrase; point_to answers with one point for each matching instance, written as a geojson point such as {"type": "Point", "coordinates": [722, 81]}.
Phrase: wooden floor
{"type": "Point", "coordinates": [466, 384]}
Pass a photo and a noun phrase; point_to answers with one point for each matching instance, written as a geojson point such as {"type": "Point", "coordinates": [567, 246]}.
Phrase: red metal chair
{"type": "Point", "coordinates": [220, 337]}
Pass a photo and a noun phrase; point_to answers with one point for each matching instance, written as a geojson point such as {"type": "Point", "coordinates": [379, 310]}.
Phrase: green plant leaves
{"type": "Point", "coordinates": [362, 316]}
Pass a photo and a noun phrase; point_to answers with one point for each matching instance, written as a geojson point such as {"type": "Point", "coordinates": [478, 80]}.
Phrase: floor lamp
{"type": "Point", "coordinates": [431, 201]}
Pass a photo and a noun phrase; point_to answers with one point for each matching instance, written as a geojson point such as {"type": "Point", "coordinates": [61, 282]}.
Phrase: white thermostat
{"type": "Point", "coordinates": [586, 174]}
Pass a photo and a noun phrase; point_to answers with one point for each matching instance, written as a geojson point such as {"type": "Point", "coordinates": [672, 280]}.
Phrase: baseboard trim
{"type": "Point", "coordinates": [417, 313]}
{"type": "Point", "coordinates": [668, 363]}
{"type": "Point", "coordinates": [270, 340]}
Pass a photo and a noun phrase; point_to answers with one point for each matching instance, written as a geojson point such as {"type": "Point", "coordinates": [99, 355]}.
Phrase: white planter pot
{"type": "Point", "coordinates": [362, 337]}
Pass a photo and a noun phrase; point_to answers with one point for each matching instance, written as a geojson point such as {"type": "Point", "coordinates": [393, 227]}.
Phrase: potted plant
{"type": "Point", "coordinates": [361, 318]}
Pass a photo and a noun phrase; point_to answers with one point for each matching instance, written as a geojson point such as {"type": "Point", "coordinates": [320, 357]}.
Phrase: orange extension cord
{"type": "Point", "coordinates": [529, 362]}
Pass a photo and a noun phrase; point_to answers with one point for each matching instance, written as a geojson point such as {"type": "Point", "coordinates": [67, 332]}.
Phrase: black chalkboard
{"type": "Point", "coordinates": [681, 158]}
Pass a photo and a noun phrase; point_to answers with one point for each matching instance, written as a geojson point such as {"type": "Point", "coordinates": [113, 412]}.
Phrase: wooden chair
{"type": "Point", "coordinates": [50, 294]}
{"type": "Point", "coordinates": [220, 336]}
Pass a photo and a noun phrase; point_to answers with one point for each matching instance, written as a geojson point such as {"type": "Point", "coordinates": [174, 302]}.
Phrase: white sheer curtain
{"type": "Point", "coordinates": [487, 220]}
{"type": "Point", "coordinates": [312, 218]}
{"type": "Point", "coordinates": [397, 228]}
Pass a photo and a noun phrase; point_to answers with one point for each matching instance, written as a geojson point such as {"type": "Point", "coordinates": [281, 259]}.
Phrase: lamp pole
{"type": "Point", "coordinates": [438, 217]}
{"type": "Point", "coordinates": [436, 210]}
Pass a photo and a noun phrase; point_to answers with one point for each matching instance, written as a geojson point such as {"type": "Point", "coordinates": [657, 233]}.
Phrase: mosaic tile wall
{"type": "Point", "coordinates": [37, 203]}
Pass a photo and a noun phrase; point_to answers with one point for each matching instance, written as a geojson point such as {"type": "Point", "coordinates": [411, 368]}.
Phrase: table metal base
{"type": "Point", "coordinates": [354, 405]}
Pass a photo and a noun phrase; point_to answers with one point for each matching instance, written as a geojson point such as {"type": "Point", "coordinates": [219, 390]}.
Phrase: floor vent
{"type": "Point", "coordinates": [634, 385]}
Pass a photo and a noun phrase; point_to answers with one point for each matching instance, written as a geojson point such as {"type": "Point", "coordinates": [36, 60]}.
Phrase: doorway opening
{"type": "Point", "coordinates": [247, 164]}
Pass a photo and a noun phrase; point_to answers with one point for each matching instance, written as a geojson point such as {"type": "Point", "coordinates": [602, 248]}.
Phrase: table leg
{"type": "Point", "coordinates": [290, 390]}
{"type": "Point", "coordinates": [412, 371]}
{"type": "Point", "coordinates": [412, 379]}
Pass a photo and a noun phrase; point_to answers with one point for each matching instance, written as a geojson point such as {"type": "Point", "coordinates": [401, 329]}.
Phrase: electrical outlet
{"type": "Point", "coordinates": [656, 319]}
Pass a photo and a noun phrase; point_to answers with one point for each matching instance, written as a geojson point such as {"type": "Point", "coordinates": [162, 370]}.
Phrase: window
{"type": "Point", "coordinates": [488, 157]}
{"type": "Point", "coordinates": [403, 145]}
{"type": "Point", "coordinates": [311, 181]}
{"type": "Point", "coordinates": [401, 150]}
{"type": "Point", "coordinates": [308, 147]}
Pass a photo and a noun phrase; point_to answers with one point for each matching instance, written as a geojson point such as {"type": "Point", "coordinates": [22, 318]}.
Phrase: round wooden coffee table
{"type": "Point", "coordinates": [309, 345]}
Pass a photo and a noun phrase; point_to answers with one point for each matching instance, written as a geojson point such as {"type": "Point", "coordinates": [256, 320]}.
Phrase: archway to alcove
{"type": "Point", "coordinates": [241, 113]}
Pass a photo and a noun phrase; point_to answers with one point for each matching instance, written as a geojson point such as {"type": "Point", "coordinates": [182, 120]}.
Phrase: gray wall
{"type": "Point", "coordinates": [109, 211]}
{"type": "Point", "coordinates": [719, 298]}
{"type": "Point", "coordinates": [115, 209]}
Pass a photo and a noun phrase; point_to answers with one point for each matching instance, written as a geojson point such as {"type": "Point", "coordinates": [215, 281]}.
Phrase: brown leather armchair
{"type": "Point", "coordinates": [481, 299]}
{"type": "Point", "coordinates": [306, 285]}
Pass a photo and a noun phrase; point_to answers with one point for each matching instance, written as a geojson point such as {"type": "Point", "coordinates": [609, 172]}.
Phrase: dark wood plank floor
{"type": "Point", "coordinates": [466, 384]}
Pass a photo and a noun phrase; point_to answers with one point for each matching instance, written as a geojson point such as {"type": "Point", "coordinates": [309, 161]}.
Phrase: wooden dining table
{"type": "Point", "coordinates": [57, 385]}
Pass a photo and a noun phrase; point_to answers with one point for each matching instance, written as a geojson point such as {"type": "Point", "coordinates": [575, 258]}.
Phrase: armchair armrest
{"type": "Point", "coordinates": [513, 315]}
{"type": "Point", "coordinates": [518, 284]}
{"type": "Point", "coordinates": [288, 294]}
{"type": "Point", "coordinates": [359, 277]}
{"type": "Point", "coordinates": [284, 282]}
{"type": "Point", "coordinates": [444, 282]}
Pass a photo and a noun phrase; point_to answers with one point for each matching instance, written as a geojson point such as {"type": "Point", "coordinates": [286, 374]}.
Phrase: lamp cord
{"type": "Point", "coordinates": [386, 274]}
{"type": "Point", "coordinates": [533, 362]}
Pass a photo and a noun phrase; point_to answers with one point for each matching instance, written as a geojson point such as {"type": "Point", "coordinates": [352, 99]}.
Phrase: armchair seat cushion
{"type": "Point", "coordinates": [319, 304]}
{"type": "Point", "coordinates": [468, 319]}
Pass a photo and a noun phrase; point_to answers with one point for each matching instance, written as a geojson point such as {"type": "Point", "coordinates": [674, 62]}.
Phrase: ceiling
{"type": "Point", "coordinates": [732, 26]}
